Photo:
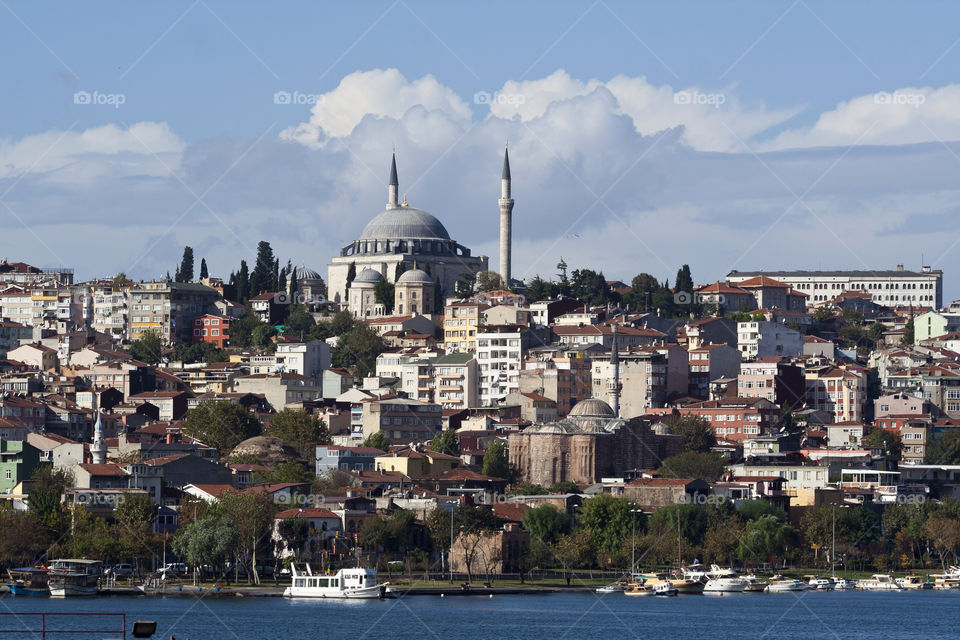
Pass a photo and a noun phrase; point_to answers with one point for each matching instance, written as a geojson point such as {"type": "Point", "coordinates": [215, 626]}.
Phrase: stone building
{"type": "Point", "coordinates": [590, 443]}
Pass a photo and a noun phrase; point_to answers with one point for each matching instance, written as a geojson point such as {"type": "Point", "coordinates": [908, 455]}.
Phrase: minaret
{"type": "Point", "coordinates": [506, 220]}
{"type": "Point", "coordinates": [615, 386]}
{"type": "Point", "coordinates": [393, 199]}
{"type": "Point", "coordinates": [99, 449]}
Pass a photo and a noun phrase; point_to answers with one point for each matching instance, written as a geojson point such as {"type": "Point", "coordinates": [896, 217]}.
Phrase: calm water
{"type": "Point", "coordinates": [927, 614]}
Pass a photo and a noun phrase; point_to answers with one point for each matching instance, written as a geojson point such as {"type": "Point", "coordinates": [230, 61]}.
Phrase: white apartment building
{"type": "Point", "coordinates": [500, 358]}
{"type": "Point", "coordinates": [105, 308]}
{"type": "Point", "coordinates": [53, 307]}
{"type": "Point", "coordinates": [763, 339]}
{"type": "Point", "coordinates": [450, 381]}
{"type": "Point", "coordinates": [887, 287]}
{"type": "Point", "coordinates": [304, 358]}
{"type": "Point", "coordinates": [643, 381]}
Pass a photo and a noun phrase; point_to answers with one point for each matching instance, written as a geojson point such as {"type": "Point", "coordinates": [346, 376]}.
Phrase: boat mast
{"type": "Point", "coordinates": [833, 547]}
{"type": "Point", "coordinates": [679, 561]}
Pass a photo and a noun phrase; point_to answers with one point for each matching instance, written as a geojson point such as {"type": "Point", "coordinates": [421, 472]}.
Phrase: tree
{"type": "Point", "coordinates": [301, 429]}
{"type": "Point", "coordinates": [252, 519]}
{"type": "Point", "coordinates": [221, 424]}
{"type": "Point", "coordinates": [608, 520]}
{"type": "Point", "coordinates": [146, 348]}
{"type": "Point", "coordinates": [119, 281]}
{"type": "Point", "coordinates": [293, 533]}
{"type": "Point", "coordinates": [210, 540]}
{"type": "Point", "coordinates": [572, 550]}
{"type": "Point", "coordinates": [262, 334]}
{"type": "Point", "coordinates": [474, 524]}
{"type": "Point", "coordinates": [298, 321]}
{"type": "Point", "coordinates": [185, 271]}
{"type": "Point", "coordinates": [539, 289]}
{"type": "Point", "coordinates": [44, 497]}
{"type": "Point", "coordinates": [377, 440]}
{"type": "Point", "coordinates": [243, 283]}
{"type": "Point", "coordinates": [943, 449]}
{"type": "Point", "coordinates": [342, 322]}
{"type": "Point", "coordinates": [945, 535]}
{"type": "Point", "coordinates": [822, 315]}
{"type": "Point", "coordinates": [446, 442]}
{"type": "Point", "coordinates": [263, 278]}
{"type": "Point", "coordinates": [546, 523]}
{"type": "Point", "coordinates": [241, 330]}
{"type": "Point", "coordinates": [358, 349]}
{"type": "Point", "coordinates": [692, 464]}
{"type": "Point", "coordinates": [399, 270]}
{"type": "Point", "coordinates": [684, 281]}
{"type": "Point", "coordinates": [384, 293]}
{"type": "Point", "coordinates": [495, 461]}
{"type": "Point", "coordinates": [134, 516]}
{"type": "Point", "coordinates": [908, 333]}
{"type": "Point", "coordinates": [489, 281]}
{"type": "Point", "coordinates": [889, 441]}
{"type": "Point", "coordinates": [24, 538]}
{"type": "Point", "coordinates": [289, 471]}
{"type": "Point", "coordinates": [766, 539]}
{"type": "Point", "coordinates": [351, 274]}
{"type": "Point", "coordinates": [696, 432]}
{"type": "Point", "coordinates": [204, 273]}
{"type": "Point", "coordinates": [590, 286]}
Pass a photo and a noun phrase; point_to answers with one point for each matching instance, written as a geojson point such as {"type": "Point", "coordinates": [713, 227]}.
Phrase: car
{"type": "Point", "coordinates": [120, 571]}
{"type": "Point", "coordinates": [173, 570]}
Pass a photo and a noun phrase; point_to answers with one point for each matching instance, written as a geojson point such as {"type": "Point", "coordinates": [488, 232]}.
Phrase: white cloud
{"type": "Point", "coordinates": [380, 93]}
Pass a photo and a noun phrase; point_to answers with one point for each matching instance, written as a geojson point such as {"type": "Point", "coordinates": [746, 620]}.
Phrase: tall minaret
{"type": "Point", "coordinates": [393, 199]}
{"type": "Point", "coordinates": [506, 220]}
{"type": "Point", "coordinates": [614, 388]}
{"type": "Point", "coordinates": [99, 449]}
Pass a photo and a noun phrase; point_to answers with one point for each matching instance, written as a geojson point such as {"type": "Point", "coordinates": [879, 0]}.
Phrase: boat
{"type": "Point", "coordinates": [914, 583]}
{"type": "Point", "coordinates": [947, 581]}
{"type": "Point", "coordinates": [28, 581]}
{"type": "Point", "coordinates": [664, 589]}
{"type": "Point", "coordinates": [639, 590]}
{"type": "Point", "coordinates": [716, 571]}
{"type": "Point", "coordinates": [842, 584]}
{"type": "Point", "coordinates": [820, 584]}
{"type": "Point", "coordinates": [779, 584]}
{"type": "Point", "coordinates": [611, 588]}
{"type": "Point", "coordinates": [753, 585]}
{"type": "Point", "coordinates": [725, 585]}
{"type": "Point", "coordinates": [879, 582]}
{"type": "Point", "coordinates": [354, 583]}
{"type": "Point", "coordinates": [74, 577]}
{"type": "Point", "coordinates": [687, 584]}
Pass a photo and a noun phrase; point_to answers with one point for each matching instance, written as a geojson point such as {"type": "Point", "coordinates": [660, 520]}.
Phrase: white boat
{"type": "Point", "coordinates": [914, 583]}
{"type": "Point", "coordinates": [779, 584]}
{"type": "Point", "coordinates": [610, 588]}
{"type": "Point", "coordinates": [74, 577]}
{"type": "Point", "coordinates": [345, 583]}
{"type": "Point", "coordinates": [947, 581]}
{"type": "Point", "coordinates": [753, 585]}
{"type": "Point", "coordinates": [820, 584]}
{"type": "Point", "coordinates": [842, 584]}
{"type": "Point", "coordinates": [879, 582]}
{"type": "Point", "coordinates": [725, 585]}
{"type": "Point", "coordinates": [716, 571]}
{"type": "Point", "coordinates": [664, 589]}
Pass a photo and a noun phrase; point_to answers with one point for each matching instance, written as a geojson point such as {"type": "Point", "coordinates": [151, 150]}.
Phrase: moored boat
{"type": "Point", "coordinates": [842, 584]}
{"type": "Point", "coordinates": [914, 583]}
{"type": "Point", "coordinates": [725, 585]}
{"type": "Point", "coordinates": [639, 590]}
{"type": "Point", "coordinates": [74, 577]}
{"type": "Point", "coordinates": [820, 584]}
{"type": "Point", "coordinates": [611, 588]}
{"type": "Point", "coordinates": [879, 582]}
{"type": "Point", "coordinates": [779, 584]}
{"type": "Point", "coordinates": [753, 585]}
{"type": "Point", "coordinates": [352, 583]}
{"type": "Point", "coordinates": [28, 581]}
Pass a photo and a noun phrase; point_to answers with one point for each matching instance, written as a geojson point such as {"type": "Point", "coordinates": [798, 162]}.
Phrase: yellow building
{"type": "Point", "coordinates": [460, 322]}
{"type": "Point", "coordinates": [416, 464]}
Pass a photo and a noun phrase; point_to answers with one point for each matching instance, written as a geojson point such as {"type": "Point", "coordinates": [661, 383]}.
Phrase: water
{"type": "Point", "coordinates": [581, 616]}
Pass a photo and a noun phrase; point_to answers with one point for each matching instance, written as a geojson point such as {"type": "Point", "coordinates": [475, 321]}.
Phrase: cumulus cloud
{"type": "Point", "coordinates": [381, 93]}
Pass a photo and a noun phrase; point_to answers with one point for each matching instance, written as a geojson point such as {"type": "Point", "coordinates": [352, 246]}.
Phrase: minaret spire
{"type": "Point", "coordinates": [99, 449]}
{"type": "Point", "coordinates": [394, 188]}
{"type": "Point", "coordinates": [615, 361]}
{"type": "Point", "coordinates": [506, 219]}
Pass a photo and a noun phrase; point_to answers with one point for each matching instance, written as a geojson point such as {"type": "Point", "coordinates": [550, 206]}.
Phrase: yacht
{"type": "Point", "coordinates": [879, 582]}
{"type": "Point", "coordinates": [947, 581]}
{"type": "Point", "coordinates": [74, 577]}
{"type": "Point", "coordinates": [345, 583]}
{"type": "Point", "coordinates": [753, 585]}
{"type": "Point", "coordinates": [914, 583]}
{"type": "Point", "coordinates": [725, 585]}
{"type": "Point", "coordinates": [611, 588]}
{"type": "Point", "coordinates": [820, 584]}
{"type": "Point", "coordinates": [688, 584]}
{"type": "Point", "coordinates": [28, 581]}
{"type": "Point", "coordinates": [779, 584]}
{"type": "Point", "coordinates": [842, 584]}
{"type": "Point", "coordinates": [716, 571]}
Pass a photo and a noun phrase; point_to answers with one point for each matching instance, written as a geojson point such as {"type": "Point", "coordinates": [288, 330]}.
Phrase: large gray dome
{"type": "Point", "coordinates": [416, 276]}
{"type": "Point", "coordinates": [592, 407]}
{"type": "Point", "coordinates": [368, 275]}
{"type": "Point", "coordinates": [404, 222]}
{"type": "Point", "coordinates": [305, 273]}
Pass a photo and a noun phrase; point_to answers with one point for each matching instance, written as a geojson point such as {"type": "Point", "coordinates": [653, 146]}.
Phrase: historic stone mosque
{"type": "Point", "coordinates": [405, 235]}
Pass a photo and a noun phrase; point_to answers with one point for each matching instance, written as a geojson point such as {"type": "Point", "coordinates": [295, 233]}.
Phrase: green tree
{"type": "Point", "coordinates": [221, 424]}
{"type": "Point", "coordinates": [692, 464]}
{"type": "Point", "coordinates": [446, 442]}
{"type": "Point", "coordinates": [293, 533]}
{"type": "Point", "coordinates": [204, 273]}
{"type": "Point", "coordinates": [889, 441]}
{"type": "Point", "coordinates": [539, 289]}
{"type": "Point", "coordinates": [119, 281]}
{"type": "Point", "coordinates": [24, 538]}
{"type": "Point", "coordinates": [942, 449]}
{"type": "Point", "coordinates": [45, 494]}
{"type": "Point", "coordinates": [684, 281]}
{"type": "Point", "coordinates": [289, 471]}
{"type": "Point", "coordinates": [754, 509]}
{"type": "Point", "coordinates": [384, 293]}
{"type": "Point", "coordinates": [243, 283]}
{"type": "Point", "coordinates": [262, 335]}
{"type": "Point", "coordinates": [696, 432]}
{"type": "Point", "coordinates": [377, 440]}
{"type": "Point", "coordinates": [134, 516]}
{"type": "Point", "coordinates": [766, 539]}
{"type": "Point", "coordinates": [565, 487]}
{"type": "Point", "coordinates": [351, 274]}
{"type": "Point", "coordinates": [185, 271]}
{"type": "Point", "coordinates": [608, 520]}
{"type": "Point", "coordinates": [301, 429]}
{"type": "Point", "coordinates": [358, 349]}
{"type": "Point", "coordinates": [263, 278]}
{"type": "Point", "coordinates": [252, 518]}
{"type": "Point", "coordinates": [473, 523]}
{"type": "Point", "coordinates": [241, 330]}
{"type": "Point", "coordinates": [299, 322]}
{"type": "Point", "coordinates": [489, 281]}
{"type": "Point", "coordinates": [146, 348]}
{"type": "Point", "coordinates": [590, 286]}
{"type": "Point", "coordinates": [546, 523]}
{"type": "Point", "coordinates": [572, 551]}
{"type": "Point", "coordinates": [210, 540]}
{"type": "Point", "coordinates": [341, 323]}
{"type": "Point", "coordinates": [908, 333]}
{"type": "Point", "coordinates": [495, 461]}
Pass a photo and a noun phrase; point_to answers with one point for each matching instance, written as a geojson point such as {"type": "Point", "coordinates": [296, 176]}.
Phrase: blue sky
{"type": "Point", "coordinates": [799, 165]}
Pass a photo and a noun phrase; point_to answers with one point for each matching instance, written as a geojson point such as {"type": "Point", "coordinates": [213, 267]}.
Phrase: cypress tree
{"type": "Point", "coordinates": [185, 272]}
{"type": "Point", "coordinates": [203, 269]}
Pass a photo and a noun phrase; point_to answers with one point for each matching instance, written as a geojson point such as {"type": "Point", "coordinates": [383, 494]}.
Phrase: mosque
{"type": "Point", "coordinates": [411, 237]}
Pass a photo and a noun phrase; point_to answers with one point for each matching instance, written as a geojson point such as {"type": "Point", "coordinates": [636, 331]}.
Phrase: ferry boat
{"type": "Point", "coordinates": [779, 584]}
{"type": "Point", "coordinates": [74, 577]}
{"type": "Point", "coordinates": [879, 582]}
{"type": "Point", "coordinates": [914, 583]}
{"type": "Point", "coordinates": [28, 581]}
{"type": "Point", "coordinates": [353, 583]}
{"type": "Point", "coordinates": [725, 585]}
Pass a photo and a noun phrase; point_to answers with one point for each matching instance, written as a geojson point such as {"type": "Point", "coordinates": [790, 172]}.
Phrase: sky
{"type": "Point", "coordinates": [755, 135]}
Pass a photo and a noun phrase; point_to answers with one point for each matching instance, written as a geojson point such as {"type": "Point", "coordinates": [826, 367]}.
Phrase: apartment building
{"type": "Point", "coordinates": [887, 287]}
{"type": "Point", "coordinates": [565, 380]}
{"type": "Point", "coordinates": [450, 381]}
{"type": "Point", "coordinates": [709, 362]}
{"type": "Point", "coordinates": [643, 381]}
{"type": "Point", "coordinates": [402, 419]}
{"type": "Point", "coordinates": [461, 321]}
{"type": "Point", "coordinates": [106, 308]}
{"type": "Point", "coordinates": [731, 418]}
{"type": "Point", "coordinates": [213, 329]}
{"type": "Point", "coordinates": [761, 339]}
{"type": "Point", "coordinates": [773, 379]}
{"type": "Point", "coordinates": [934, 325]}
{"type": "Point", "coordinates": [500, 353]}
{"type": "Point", "coordinates": [168, 308]}
{"type": "Point", "coordinates": [840, 390]}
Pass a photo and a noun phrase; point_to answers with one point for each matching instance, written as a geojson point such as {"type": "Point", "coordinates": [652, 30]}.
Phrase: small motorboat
{"type": "Point", "coordinates": [820, 584]}
{"type": "Point", "coordinates": [639, 590]}
{"type": "Point", "coordinates": [779, 584]}
{"type": "Point", "coordinates": [842, 584]}
{"type": "Point", "coordinates": [725, 585]}
{"type": "Point", "coordinates": [664, 589]}
{"type": "Point", "coordinates": [914, 583]}
{"type": "Point", "coordinates": [28, 581]}
{"type": "Point", "coordinates": [611, 588]}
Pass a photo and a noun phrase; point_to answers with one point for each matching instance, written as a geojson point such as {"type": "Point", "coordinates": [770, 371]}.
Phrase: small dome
{"type": "Point", "coordinates": [592, 407]}
{"type": "Point", "coordinates": [368, 275]}
{"type": "Point", "coordinates": [304, 273]}
{"type": "Point", "coordinates": [415, 276]}
{"type": "Point", "coordinates": [400, 223]}
{"type": "Point", "coordinates": [266, 449]}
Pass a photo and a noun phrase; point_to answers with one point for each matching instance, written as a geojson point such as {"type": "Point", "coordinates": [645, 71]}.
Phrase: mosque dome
{"type": "Point", "coordinates": [368, 275]}
{"type": "Point", "coordinates": [414, 276]}
{"type": "Point", "coordinates": [592, 408]}
{"type": "Point", "coordinates": [403, 223]}
{"type": "Point", "coordinates": [303, 272]}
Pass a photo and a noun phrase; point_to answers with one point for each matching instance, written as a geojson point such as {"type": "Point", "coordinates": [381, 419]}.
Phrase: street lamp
{"type": "Point", "coordinates": [633, 546]}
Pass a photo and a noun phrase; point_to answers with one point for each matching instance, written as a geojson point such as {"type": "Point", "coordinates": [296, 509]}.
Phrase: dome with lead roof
{"type": "Point", "coordinates": [414, 276]}
{"type": "Point", "coordinates": [368, 275]}
{"type": "Point", "coordinates": [592, 408]}
{"type": "Point", "coordinates": [403, 223]}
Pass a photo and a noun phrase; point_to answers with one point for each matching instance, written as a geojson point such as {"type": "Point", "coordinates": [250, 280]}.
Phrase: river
{"type": "Point", "coordinates": [839, 615]}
